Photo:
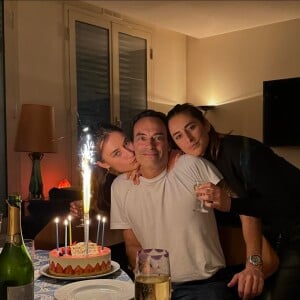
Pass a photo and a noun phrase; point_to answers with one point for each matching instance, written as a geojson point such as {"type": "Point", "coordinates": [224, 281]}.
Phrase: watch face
{"type": "Point", "coordinates": [255, 260]}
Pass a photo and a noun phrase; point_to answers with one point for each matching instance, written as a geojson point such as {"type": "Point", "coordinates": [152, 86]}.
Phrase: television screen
{"type": "Point", "coordinates": [281, 112]}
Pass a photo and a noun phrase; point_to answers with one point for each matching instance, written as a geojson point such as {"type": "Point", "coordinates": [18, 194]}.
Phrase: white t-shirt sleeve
{"type": "Point", "coordinates": [201, 169]}
{"type": "Point", "coordinates": [118, 216]}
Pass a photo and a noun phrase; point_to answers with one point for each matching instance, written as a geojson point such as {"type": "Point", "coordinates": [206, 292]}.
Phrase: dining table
{"type": "Point", "coordinates": [44, 286]}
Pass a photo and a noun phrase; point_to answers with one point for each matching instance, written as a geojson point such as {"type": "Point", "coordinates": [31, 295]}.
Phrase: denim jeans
{"type": "Point", "coordinates": [284, 284]}
{"type": "Point", "coordinates": [217, 290]}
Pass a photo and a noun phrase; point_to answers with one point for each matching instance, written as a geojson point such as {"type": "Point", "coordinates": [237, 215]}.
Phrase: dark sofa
{"type": "Point", "coordinates": [41, 212]}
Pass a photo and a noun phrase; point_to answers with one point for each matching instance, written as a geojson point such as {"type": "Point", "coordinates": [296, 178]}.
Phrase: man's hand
{"type": "Point", "coordinates": [132, 246]}
{"type": "Point", "coordinates": [214, 196]}
{"type": "Point", "coordinates": [250, 282]}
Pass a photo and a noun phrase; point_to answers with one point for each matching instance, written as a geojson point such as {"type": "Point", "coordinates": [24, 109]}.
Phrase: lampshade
{"type": "Point", "coordinates": [36, 129]}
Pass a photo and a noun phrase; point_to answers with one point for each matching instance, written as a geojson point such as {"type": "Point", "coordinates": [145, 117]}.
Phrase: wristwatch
{"type": "Point", "coordinates": [255, 260]}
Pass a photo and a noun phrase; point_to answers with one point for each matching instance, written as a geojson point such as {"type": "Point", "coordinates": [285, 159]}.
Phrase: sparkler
{"type": "Point", "coordinates": [87, 160]}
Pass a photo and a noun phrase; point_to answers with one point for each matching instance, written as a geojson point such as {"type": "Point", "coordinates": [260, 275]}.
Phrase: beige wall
{"type": "Point", "coordinates": [230, 69]}
{"type": "Point", "coordinates": [231, 66]}
{"type": "Point", "coordinates": [35, 59]}
{"type": "Point", "coordinates": [169, 65]}
{"type": "Point", "coordinates": [242, 117]}
{"type": "Point", "coordinates": [35, 73]}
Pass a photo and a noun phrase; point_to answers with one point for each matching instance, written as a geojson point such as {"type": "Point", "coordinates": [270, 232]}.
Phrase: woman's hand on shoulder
{"type": "Point", "coordinates": [134, 176]}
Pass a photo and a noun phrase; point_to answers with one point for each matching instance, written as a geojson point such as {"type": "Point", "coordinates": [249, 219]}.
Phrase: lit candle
{"type": "Point", "coordinates": [70, 229]}
{"type": "Point", "coordinates": [56, 220]}
{"type": "Point", "coordinates": [66, 235]}
{"type": "Point", "coordinates": [98, 229]}
{"type": "Point", "coordinates": [103, 225]}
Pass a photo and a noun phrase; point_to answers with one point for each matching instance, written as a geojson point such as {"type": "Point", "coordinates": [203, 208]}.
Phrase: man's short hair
{"type": "Point", "coordinates": [150, 113]}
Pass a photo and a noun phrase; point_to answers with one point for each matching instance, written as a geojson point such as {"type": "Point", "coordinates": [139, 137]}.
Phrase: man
{"type": "Point", "coordinates": [159, 213]}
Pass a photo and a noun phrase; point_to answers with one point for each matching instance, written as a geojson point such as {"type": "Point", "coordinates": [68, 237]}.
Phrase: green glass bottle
{"type": "Point", "coordinates": [16, 268]}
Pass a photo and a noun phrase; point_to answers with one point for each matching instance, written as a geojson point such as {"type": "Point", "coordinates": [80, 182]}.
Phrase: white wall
{"type": "Point", "coordinates": [233, 66]}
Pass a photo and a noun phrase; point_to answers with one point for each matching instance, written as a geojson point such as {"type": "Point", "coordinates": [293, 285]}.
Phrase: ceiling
{"type": "Point", "coordinates": [201, 19]}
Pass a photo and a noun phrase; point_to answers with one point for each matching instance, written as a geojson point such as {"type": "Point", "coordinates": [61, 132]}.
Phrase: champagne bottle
{"type": "Point", "coordinates": [16, 268]}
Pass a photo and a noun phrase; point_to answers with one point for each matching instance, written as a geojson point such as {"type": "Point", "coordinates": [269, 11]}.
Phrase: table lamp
{"type": "Point", "coordinates": [35, 135]}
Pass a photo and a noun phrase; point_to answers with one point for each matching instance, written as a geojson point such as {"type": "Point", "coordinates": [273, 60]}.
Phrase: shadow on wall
{"type": "Point", "coordinates": [242, 117]}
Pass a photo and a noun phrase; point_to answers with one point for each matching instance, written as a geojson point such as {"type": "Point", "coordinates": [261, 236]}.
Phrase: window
{"type": "Point", "coordinates": [109, 73]}
{"type": "Point", "coordinates": [92, 74]}
{"type": "Point", "coordinates": [132, 73]}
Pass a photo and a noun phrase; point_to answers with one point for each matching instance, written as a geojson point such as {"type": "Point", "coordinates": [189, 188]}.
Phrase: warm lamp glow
{"type": "Point", "coordinates": [64, 183]}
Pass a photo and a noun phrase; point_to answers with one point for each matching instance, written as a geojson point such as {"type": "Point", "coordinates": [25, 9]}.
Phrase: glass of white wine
{"type": "Point", "coordinates": [199, 206]}
{"type": "Point", "coordinates": [152, 275]}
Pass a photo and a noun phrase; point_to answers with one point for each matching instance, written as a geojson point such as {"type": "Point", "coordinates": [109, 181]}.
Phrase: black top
{"type": "Point", "coordinates": [267, 185]}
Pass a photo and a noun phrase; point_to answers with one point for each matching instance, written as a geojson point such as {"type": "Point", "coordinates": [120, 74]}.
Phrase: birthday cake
{"type": "Point", "coordinates": [76, 263]}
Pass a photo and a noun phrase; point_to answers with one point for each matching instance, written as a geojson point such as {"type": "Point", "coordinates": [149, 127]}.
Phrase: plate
{"type": "Point", "coordinates": [108, 289]}
{"type": "Point", "coordinates": [44, 270]}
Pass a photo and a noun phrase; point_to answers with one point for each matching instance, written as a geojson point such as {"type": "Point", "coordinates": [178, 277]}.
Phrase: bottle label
{"type": "Point", "coordinates": [24, 292]}
{"type": "Point", "coordinates": [15, 239]}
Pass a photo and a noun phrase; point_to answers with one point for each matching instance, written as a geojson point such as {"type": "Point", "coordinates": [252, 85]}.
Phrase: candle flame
{"type": "Point", "coordinates": [103, 220]}
{"type": "Point", "coordinates": [66, 222]}
{"type": "Point", "coordinates": [69, 218]}
{"type": "Point", "coordinates": [87, 222]}
{"type": "Point", "coordinates": [98, 217]}
{"type": "Point", "coordinates": [56, 220]}
{"type": "Point", "coordinates": [87, 159]}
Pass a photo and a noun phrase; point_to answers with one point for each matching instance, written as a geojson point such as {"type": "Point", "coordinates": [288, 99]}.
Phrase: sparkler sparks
{"type": "Point", "coordinates": [87, 154]}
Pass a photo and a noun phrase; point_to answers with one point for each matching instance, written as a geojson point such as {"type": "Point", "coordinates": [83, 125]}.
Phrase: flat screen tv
{"type": "Point", "coordinates": [281, 112]}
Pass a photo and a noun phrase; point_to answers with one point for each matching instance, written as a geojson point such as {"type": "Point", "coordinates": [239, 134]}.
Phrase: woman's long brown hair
{"type": "Point", "coordinates": [101, 178]}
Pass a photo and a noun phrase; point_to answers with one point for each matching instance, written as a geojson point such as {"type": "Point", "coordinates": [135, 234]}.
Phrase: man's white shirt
{"type": "Point", "coordinates": [160, 211]}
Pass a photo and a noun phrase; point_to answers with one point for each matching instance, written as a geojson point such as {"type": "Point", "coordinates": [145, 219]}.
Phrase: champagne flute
{"type": "Point", "coordinates": [199, 206]}
{"type": "Point", "coordinates": [152, 275]}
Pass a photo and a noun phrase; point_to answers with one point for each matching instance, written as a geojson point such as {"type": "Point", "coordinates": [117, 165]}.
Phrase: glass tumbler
{"type": "Point", "coordinates": [152, 275]}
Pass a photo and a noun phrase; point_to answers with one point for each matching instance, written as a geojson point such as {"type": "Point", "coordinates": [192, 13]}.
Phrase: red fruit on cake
{"type": "Point", "coordinates": [77, 263]}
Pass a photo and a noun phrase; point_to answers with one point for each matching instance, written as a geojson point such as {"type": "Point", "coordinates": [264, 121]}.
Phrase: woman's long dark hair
{"type": "Point", "coordinates": [100, 184]}
{"type": "Point", "coordinates": [101, 178]}
{"type": "Point", "coordinates": [193, 111]}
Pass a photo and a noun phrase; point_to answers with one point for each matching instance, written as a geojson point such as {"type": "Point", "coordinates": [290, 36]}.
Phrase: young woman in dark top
{"type": "Point", "coordinates": [265, 186]}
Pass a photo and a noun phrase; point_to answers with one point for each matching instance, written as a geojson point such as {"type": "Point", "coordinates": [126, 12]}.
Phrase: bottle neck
{"type": "Point", "coordinates": [14, 225]}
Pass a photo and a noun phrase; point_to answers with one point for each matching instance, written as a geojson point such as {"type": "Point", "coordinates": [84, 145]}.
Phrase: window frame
{"type": "Point", "coordinates": [73, 14]}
